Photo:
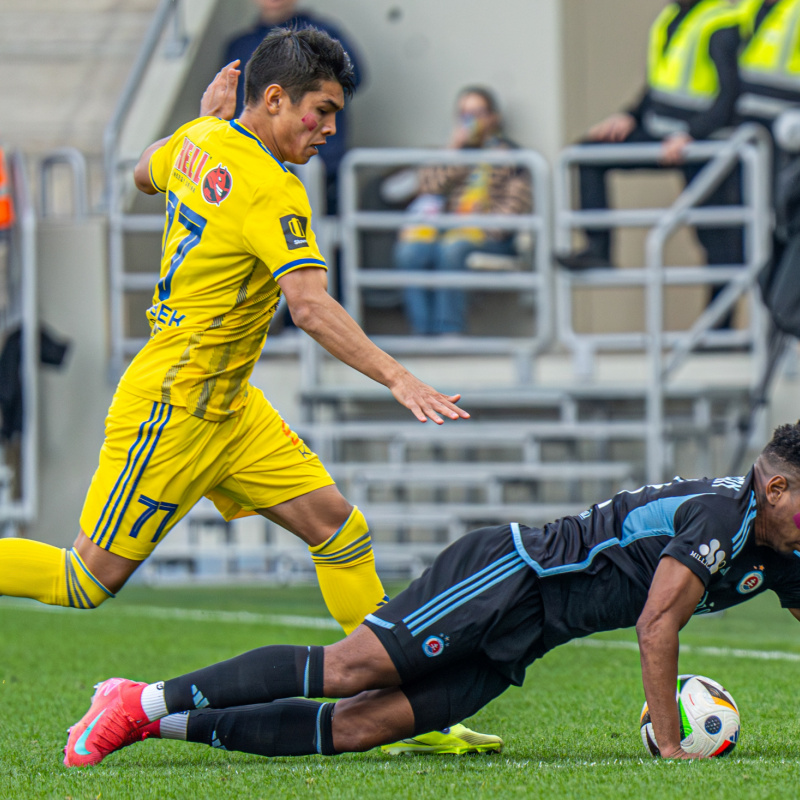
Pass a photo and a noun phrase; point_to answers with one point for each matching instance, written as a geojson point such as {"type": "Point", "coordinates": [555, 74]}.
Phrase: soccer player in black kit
{"type": "Point", "coordinates": [490, 605]}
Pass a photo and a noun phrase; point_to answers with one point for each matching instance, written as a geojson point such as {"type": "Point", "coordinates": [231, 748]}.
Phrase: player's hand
{"type": "Point", "coordinates": [615, 128]}
{"type": "Point", "coordinates": [425, 402]}
{"type": "Point", "coordinates": [672, 148]}
{"type": "Point", "coordinates": [219, 99]}
{"type": "Point", "coordinates": [677, 753]}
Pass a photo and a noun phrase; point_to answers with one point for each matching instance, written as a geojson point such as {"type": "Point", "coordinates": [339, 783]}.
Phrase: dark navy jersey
{"type": "Point", "coordinates": [596, 568]}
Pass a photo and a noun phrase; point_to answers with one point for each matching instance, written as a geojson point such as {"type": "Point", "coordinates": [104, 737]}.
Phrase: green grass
{"type": "Point", "coordinates": [571, 731]}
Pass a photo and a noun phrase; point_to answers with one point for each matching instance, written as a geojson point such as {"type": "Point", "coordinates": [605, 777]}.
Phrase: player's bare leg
{"type": "Point", "coordinates": [371, 719]}
{"type": "Point", "coordinates": [341, 548]}
{"type": "Point", "coordinates": [110, 569]}
{"type": "Point", "coordinates": [313, 517]}
{"type": "Point", "coordinates": [82, 577]}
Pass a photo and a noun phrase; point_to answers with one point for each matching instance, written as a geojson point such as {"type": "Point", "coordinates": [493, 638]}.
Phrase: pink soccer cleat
{"type": "Point", "coordinates": [114, 720]}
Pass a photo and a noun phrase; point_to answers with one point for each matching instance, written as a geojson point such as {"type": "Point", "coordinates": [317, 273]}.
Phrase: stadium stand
{"type": "Point", "coordinates": [560, 415]}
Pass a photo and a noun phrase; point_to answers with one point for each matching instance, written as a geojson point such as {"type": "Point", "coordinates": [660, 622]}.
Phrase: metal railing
{"type": "Point", "coordinates": [119, 222]}
{"type": "Point", "coordinates": [355, 221]}
{"type": "Point", "coordinates": [749, 146]}
{"type": "Point", "coordinates": [76, 162]}
{"type": "Point", "coordinates": [21, 314]}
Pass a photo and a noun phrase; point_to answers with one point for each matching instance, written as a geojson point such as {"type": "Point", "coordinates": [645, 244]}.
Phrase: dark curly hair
{"type": "Point", "coordinates": [297, 61]}
{"type": "Point", "coordinates": [784, 448]}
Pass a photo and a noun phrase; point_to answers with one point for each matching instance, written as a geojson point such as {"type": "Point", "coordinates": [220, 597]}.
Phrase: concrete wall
{"type": "Point", "coordinates": [418, 54]}
{"type": "Point", "coordinates": [73, 301]}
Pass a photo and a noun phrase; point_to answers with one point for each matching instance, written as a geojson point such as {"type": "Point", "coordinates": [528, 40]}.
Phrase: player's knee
{"type": "Point", "coordinates": [78, 588]}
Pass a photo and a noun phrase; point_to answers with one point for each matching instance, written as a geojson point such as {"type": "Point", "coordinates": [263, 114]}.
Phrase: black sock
{"type": "Point", "coordinates": [283, 728]}
{"type": "Point", "coordinates": [258, 676]}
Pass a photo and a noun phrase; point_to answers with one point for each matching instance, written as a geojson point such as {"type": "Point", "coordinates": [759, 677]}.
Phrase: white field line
{"type": "Point", "coordinates": [325, 623]}
{"type": "Point", "coordinates": [191, 614]}
{"type": "Point", "coordinates": [687, 649]}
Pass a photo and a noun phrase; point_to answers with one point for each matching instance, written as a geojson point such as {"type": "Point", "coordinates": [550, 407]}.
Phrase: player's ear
{"type": "Point", "coordinates": [776, 486]}
{"type": "Point", "coordinates": [273, 95]}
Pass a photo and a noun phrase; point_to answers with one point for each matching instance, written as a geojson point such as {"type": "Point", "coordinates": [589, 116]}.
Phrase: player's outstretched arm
{"type": "Point", "coordinates": [321, 317]}
{"type": "Point", "coordinates": [673, 597]}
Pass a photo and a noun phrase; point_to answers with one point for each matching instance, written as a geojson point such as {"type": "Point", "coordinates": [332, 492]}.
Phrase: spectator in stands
{"type": "Point", "coordinates": [769, 66]}
{"type": "Point", "coordinates": [480, 189]}
{"type": "Point", "coordinates": [284, 13]}
{"type": "Point", "coordinates": [692, 86]}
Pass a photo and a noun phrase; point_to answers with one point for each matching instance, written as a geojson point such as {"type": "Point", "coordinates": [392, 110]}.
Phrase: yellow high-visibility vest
{"type": "Point", "coordinates": [683, 74]}
{"type": "Point", "coordinates": [772, 58]}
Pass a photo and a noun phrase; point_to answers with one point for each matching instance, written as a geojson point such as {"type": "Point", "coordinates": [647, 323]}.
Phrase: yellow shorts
{"type": "Point", "coordinates": [157, 461]}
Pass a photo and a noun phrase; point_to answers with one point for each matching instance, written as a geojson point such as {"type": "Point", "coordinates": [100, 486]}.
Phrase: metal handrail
{"type": "Point", "coordinates": [167, 10]}
{"type": "Point", "coordinates": [566, 220]}
{"type": "Point", "coordinates": [76, 161]}
{"type": "Point", "coordinates": [758, 244]}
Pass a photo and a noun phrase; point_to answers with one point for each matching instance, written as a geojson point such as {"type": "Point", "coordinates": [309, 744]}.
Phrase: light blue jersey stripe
{"type": "Point", "coordinates": [656, 518]}
{"type": "Point", "coordinates": [422, 624]}
{"type": "Point", "coordinates": [382, 623]}
{"type": "Point", "coordinates": [453, 590]}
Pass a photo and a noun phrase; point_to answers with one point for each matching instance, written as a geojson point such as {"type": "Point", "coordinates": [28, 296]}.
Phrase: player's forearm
{"type": "Point", "coordinates": [658, 650]}
{"type": "Point", "coordinates": [333, 328]}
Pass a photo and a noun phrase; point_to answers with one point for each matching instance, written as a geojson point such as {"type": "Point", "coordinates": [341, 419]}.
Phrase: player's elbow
{"type": "Point", "coordinates": [307, 315]}
{"type": "Point", "coordinates": [143, 184]}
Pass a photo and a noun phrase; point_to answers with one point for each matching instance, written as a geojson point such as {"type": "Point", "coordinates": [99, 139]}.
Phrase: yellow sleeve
{"type": "Point", "coordinates": [278, 228]}
{"type": "Point", "coordinates": [163, 159]}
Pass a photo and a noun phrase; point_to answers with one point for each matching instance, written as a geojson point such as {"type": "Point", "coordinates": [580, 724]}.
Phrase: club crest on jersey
{"type": "Point", "coordinates": [295, 231]}
{"type": "Point", "coordinates": [434, 646]}
{"type": "Point", "coordinates": [191, 160]}
{"type": "Point", "coordinates": [217, 185]}
{"type": "Point", "coordinates": [750, 582]}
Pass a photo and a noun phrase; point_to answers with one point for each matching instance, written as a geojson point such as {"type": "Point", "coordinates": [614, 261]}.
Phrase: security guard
{"type": "Point", "coordinates": [769, 66]}
{"type": "Point", "coordinates": [692, 85]}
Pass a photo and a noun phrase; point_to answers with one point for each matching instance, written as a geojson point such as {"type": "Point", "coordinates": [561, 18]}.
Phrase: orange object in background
{"type": "Point", "coordinates": [6, 202]}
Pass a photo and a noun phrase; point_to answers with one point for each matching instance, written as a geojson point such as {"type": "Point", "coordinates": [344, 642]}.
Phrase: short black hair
{"type": "Point", "coordinates": [487, 95]}
{"type": "Point", "coordinates": [298, 61]}
{"type": "Point", "coordinates": [784, 447]}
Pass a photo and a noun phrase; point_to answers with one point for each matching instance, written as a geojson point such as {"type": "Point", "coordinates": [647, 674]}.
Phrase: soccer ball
{"type": "Point", "coordinates": [709, 718]}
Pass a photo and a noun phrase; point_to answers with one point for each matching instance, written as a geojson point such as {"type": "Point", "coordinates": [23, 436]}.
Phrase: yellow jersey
{"type": "Point", "coordinates": [236, 219]}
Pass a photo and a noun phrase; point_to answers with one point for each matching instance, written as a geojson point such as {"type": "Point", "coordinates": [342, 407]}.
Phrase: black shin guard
{"type": "Point", "coordinates": [258, 676]}
{"type": "Point", "coordinates": [282, 728]}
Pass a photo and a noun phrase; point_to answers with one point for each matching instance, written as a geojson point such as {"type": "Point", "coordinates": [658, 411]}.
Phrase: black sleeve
{"type": "Point", "coordinates": [637, 109]}
{"type": "Point", "coordinates": [724, 52]}
{"type": "Point", "coordinates": [705, 528]}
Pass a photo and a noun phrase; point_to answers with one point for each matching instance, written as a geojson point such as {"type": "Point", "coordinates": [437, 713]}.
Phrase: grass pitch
{"type": "Point", "coordinates": [570, 732]}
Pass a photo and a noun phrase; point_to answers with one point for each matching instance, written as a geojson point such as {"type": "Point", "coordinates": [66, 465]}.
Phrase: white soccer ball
{"type": "Point", "coordinates": [709, 718]}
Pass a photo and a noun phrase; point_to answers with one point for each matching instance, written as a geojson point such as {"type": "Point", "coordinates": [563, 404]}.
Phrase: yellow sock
{"type": "Point", "coordinates": [345, 567]}
{"type": "Point", "coordinates": [51, 575]}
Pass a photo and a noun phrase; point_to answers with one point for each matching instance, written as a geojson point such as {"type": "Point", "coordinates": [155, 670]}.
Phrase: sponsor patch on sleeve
{"type": "Point", "coordinates": [294, 230]}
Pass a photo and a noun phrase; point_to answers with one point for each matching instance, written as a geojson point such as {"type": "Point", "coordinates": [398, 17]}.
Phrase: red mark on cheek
{"type": "Point", "coordinates": [310, 121]}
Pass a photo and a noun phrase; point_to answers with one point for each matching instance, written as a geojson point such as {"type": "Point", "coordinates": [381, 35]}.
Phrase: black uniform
{"type": "Point", "coordinates": [501, 597]}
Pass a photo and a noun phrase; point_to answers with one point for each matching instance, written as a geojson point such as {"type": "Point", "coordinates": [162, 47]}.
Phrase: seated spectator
{"type": "Point", "coordinates": [479, 189]}
{"type": "Point", "coordinates": [284, 13]}
{"type": "Point", "coordinates": [692, 86]}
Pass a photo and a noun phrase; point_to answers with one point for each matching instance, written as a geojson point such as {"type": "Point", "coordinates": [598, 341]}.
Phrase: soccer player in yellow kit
{"type": "Point", "coordinates": [185, 421]}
